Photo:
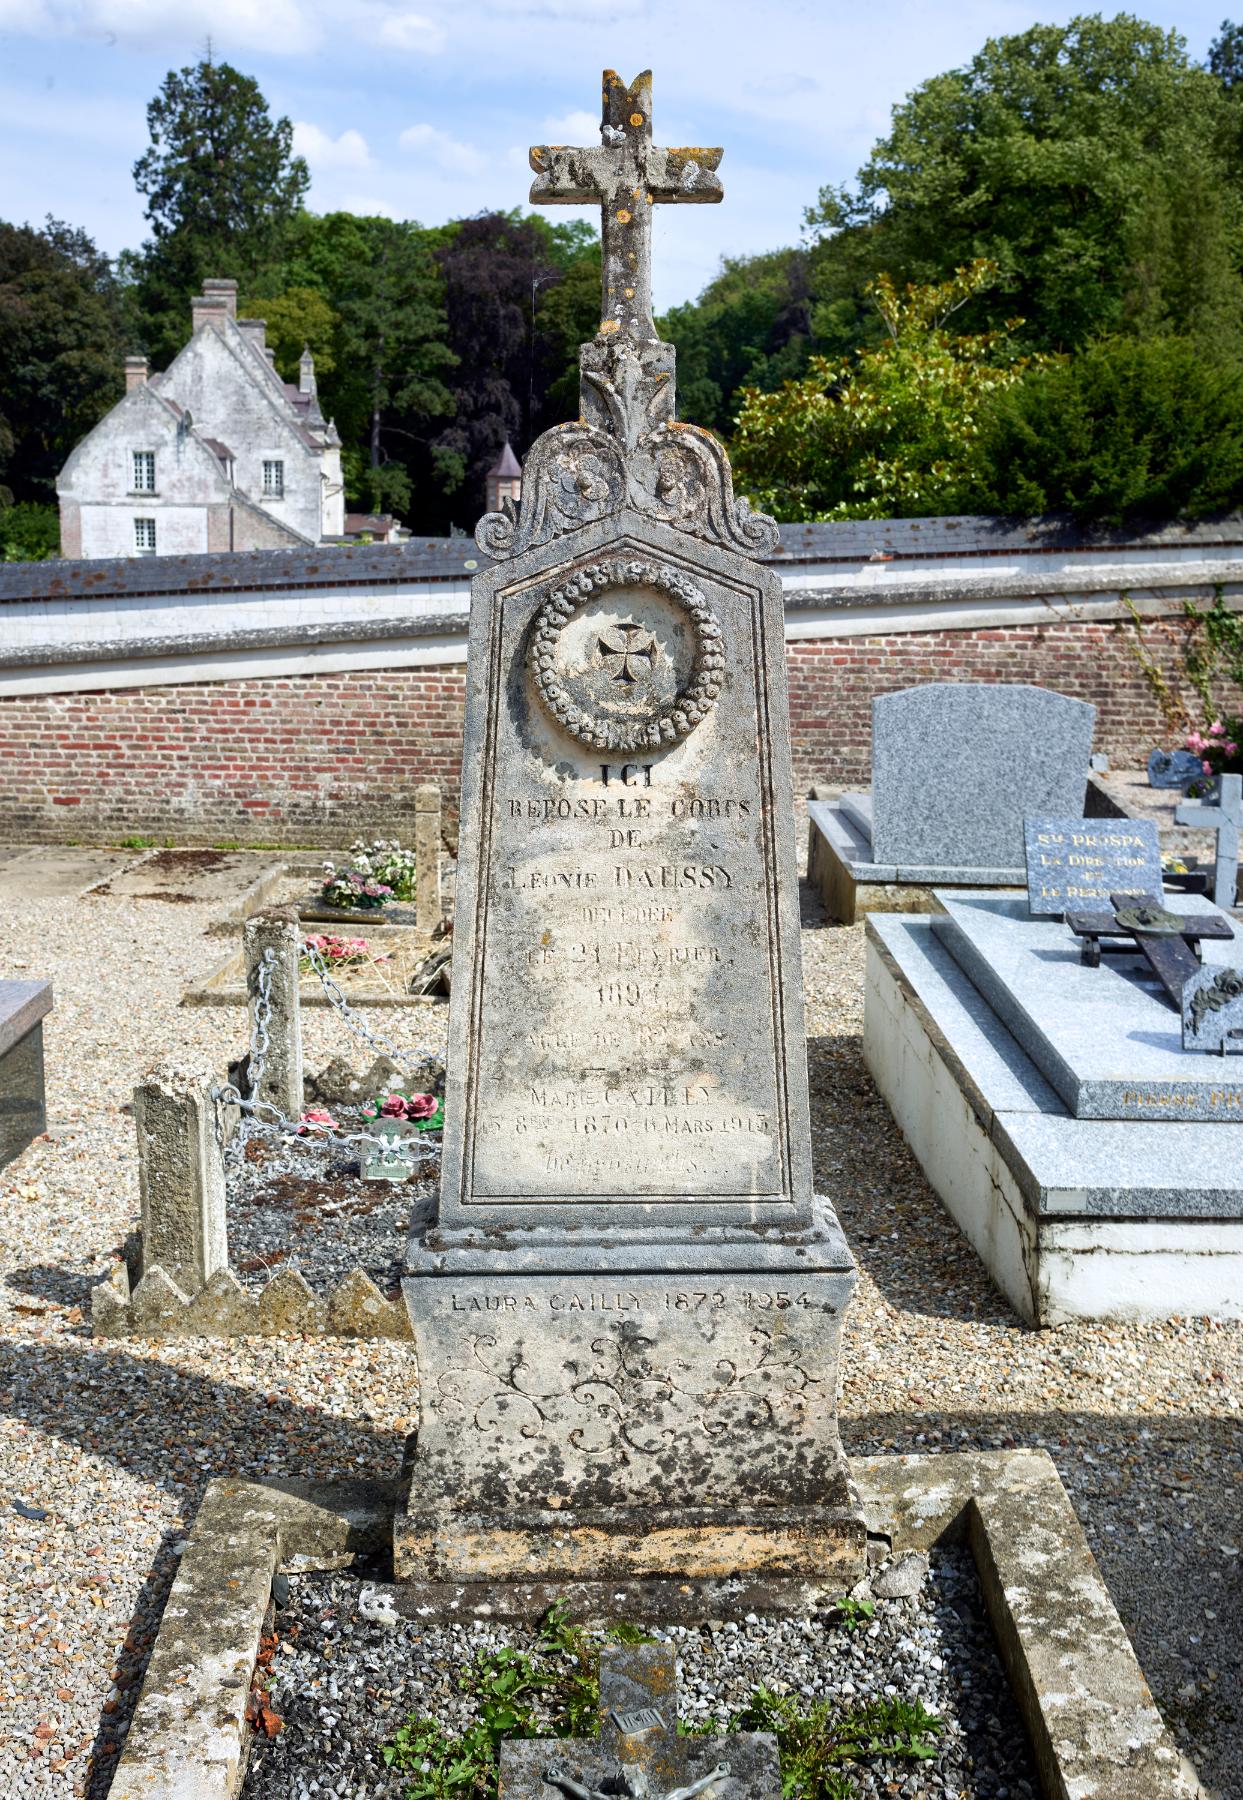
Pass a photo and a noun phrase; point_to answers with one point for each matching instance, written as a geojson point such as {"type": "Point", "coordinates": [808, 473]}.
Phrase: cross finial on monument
{"type": "Point", "coordinates": [627, 175]}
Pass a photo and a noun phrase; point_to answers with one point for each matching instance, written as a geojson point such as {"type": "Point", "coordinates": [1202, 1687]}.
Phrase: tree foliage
{"type": "Point", "coordinates": [1048, 154]}
{"type": "Point", "coordinates": [1127, 430]}
{"type": "Point", "coordinates": [61, 348]}
{"type": "Point", "coordinates": [749, 328]}
{"type": "Point", "coordinates": [893, 433]}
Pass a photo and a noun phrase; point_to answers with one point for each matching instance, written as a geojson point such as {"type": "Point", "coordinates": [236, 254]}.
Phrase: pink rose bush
{"type": "Point", "coordinates": [1217, 746]}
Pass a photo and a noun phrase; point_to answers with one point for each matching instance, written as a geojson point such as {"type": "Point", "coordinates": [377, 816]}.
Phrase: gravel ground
{"type": "Point", "coordinates": [115, 1441]}
{"type": "Point", "coordinates": [343, 1681]}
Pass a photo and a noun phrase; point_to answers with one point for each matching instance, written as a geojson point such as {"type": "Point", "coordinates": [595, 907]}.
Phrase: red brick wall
{"type": "Point", "coordinates": [312, 759]}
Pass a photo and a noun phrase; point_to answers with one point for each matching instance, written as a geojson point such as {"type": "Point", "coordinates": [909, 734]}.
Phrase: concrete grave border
{"type": "Point", "coordinates": [1093, 1724]}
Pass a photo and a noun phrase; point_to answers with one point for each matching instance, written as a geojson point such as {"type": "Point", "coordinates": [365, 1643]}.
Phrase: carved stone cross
{"type": "Point", "coordinates": [1225, 819]}
{"type": "Point", "coordinates": [627, 175]}
{"type": "Point", "coordinates": [639, 1754]}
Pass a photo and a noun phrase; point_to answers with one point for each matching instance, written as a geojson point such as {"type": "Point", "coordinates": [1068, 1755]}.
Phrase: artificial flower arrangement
{"type": "Point", "coordinates": [350, 888]}
{"type": "Point", "coordinates": [339, 952]}
{"type": "Point", "coordinates": [424, 1110]}
{"type": "Point", "coordinates": [1218, 749]}
{"type": "Point", "coordinates": [385, 861]}
{"type": "Point", "coordinates": [316, 1119]}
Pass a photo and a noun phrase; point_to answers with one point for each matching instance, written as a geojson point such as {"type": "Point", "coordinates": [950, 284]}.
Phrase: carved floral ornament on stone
{"type": "Point", "coordinates": [628, 448]}
{"type": "Point", "coordinates": [620, 687]}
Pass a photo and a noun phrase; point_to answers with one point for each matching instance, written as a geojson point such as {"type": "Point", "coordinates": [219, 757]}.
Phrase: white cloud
{"type": "Point", "coordinates": [411, 31]}
{"type": "Point", "coordinates": [322, 151]}
{"type": "Point", "coordinates": [287, 27]}
{"type": "Point", "coordinates": [571, 128]}
{"type": "Point", "coordinates": [368, 206]}
{"type": "Point", "coordinates": [448, 155]}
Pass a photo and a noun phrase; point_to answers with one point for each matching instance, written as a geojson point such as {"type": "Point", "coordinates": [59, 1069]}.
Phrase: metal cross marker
{"type": "Point", "coordinates": [1225, 819]}
{"type": "Point", "coordinates": [640, 1754]}
{"type": "Point", "coordinates": [1166, 940]}
{"type": "Point", "coordinates": [618, 657]}
{"type": "Point", "coordinates": [627, 175]}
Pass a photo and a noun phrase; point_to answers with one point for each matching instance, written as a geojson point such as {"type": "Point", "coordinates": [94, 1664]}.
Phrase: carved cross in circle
{"type": "Point", "coordinates": [633, 649]}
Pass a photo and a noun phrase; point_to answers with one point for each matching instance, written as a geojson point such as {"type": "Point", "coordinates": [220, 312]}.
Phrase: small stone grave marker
{"type": "Point", "coordinates": [639, 1751]}
{"type": "Point", "coordinates": [391, 1159]}
{"type": "Point", "coordinates": [1226, 819]}
{"type": "Point", "coordinates": [1173, 768]}
{"type": "Point", "coordinates": [1075, 863]}
{"type": "Point", "coordinates": [1213, 1010]}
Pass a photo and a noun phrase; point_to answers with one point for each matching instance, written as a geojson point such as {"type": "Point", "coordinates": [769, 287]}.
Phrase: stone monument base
{"type": "Point", "coordinates": [610, 1407]}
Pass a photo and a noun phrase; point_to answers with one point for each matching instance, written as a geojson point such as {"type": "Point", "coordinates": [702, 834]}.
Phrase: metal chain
{"type": "Point", "coordinates": [251, 1107]}
{"type": "Point", "coordinates": [337, 999]}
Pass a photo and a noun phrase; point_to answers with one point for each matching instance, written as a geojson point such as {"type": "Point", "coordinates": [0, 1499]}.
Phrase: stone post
{"type": "Point", "coordinates": [278, 929]}
{"type": "Point", "coordinates": [427, 857]}
{"type": "Point", "coordinates": [181, 1177]}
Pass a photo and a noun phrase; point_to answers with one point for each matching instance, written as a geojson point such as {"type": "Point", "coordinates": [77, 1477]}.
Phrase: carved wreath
{"type": "Point", "coordinates": [673, 720]}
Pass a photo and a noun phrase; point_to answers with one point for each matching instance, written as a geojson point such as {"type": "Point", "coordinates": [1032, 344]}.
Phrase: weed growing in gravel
{"type": "Point", "coordinates": [854, 1613]}
{"type": "Point", "coordinates": [554, 1690]}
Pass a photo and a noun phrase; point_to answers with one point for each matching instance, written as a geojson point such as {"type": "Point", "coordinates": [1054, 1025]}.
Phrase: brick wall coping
{"type": "Point", "coordinates": [1145, 582]}
{"type": "Point", "coordinates": [428, 560]}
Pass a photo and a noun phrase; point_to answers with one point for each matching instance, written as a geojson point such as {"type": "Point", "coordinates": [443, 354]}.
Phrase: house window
{"type": "Point", "coordinates": [144, 471]}
{"type": "Point", "coordinates": [273, 480]}
{"type": "Point", "coordinates": [144, 537]}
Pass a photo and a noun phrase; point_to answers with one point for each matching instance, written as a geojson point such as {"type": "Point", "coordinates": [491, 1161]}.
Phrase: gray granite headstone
{"type": "Point", "coordinates": [957, 767]}
{"type": "Point", "coordinates": [1225, 817]}
{"type": "Point", "coordinates": [1174, 768]}
{"type": "Point", "coordinates": [1074, 865]}
{"type": "Point", "coordinates": [627, 1309]}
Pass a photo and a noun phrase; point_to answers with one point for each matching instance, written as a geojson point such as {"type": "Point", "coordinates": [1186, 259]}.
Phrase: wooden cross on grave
{"type": "Point", "coordinates": [639, 1754]}
{"type": "Point", "coordinates": [1225, 819]}
{"type": "Point", "coordinates": [627, 175]}
{"type": "Point", "coordinates": [1168, 941]}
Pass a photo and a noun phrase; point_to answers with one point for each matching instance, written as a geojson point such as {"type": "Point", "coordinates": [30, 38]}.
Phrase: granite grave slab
{"type": "Point", "coordinates": [1106, 1038]}
{"type": "Point", "coordinates": [1073, 863]}
{"type": "Point", "coordinates": [628, 1304]}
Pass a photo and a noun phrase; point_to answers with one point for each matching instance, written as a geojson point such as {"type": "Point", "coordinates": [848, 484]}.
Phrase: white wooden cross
{"type": "Point", "coordinates": [1225, 819]}
{"type": "Point", "coordinates": [626, 174]}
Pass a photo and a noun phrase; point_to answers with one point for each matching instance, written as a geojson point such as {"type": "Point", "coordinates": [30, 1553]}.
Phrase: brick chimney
{"type": "Point", "coordinates": [217, 302]}
{"type": "Point", "coordinates": [136, 368]}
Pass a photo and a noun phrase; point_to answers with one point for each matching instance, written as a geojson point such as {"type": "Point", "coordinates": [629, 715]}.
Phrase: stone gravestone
{"type": "Point", "coordinates": [1075, 863]}
{"type": "Point", "coordinates": [957, 767]}
{"type": "Point", "coordinates": [628, 1306]}
{"type": "Point", "coordinates": [1226, 819]}
{"type": "Point", "coordinates": [639, 1751]}
{"type": "Point", "coordinates": [1174, 768]}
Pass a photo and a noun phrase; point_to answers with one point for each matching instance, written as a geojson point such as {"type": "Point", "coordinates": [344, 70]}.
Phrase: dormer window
{"type": "Point", "coordinates": [144, 471]}
{"type": "Point", "coordinates": [144, 537]}
{"type": "Point", "coordinates": [273, 479]}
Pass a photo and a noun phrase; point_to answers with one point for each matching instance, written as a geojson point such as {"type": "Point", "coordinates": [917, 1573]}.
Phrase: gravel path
{"type": "Point", "coordinates": [342, 1682]}
{"type": "Point", "coordinates": [115, 1441]}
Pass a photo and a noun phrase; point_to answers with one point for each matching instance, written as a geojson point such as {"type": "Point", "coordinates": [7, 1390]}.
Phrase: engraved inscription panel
{"type": "Point", "coordinates": [627, 1028]}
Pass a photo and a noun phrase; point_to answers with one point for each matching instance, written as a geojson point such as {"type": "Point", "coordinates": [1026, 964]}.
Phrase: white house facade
{"type": "Point", "coordinates": [217, 453]}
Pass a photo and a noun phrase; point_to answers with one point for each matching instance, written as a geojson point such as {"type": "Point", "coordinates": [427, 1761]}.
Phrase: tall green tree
{"type": "Point", "coordinates": [222, 187]}
{"type": "Point", "coordinates": [1049, 154]}
{"type": "Point", "coordinates": [750, 327]}
{"type": "Point", "coordinates": [62, 341]}
{"type": "Point", "coordinates": [892, 434]}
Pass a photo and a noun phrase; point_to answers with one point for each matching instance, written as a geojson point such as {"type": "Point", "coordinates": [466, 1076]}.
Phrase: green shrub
{"type": "Point", "coordinates": [29, 532]}
{"type": "Point", "coordinates": [1128, 429]}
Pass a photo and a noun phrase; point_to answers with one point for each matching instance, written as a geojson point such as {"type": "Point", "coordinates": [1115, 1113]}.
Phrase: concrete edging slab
{"type": "Point", "coordinates": [1094, 1726]}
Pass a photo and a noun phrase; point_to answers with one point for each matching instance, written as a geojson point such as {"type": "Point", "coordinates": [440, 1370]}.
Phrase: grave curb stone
{"type": "Point", "coordinates": [1077, 1682]}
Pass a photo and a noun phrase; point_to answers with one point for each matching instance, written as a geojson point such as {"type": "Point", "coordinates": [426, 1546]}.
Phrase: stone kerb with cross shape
{"type": "Point", "coordinates": [639, 1753]}
{"type": "Point", "coordinates": [627, 449]}
{"type": "Point", "coordinates": [628, 1306]}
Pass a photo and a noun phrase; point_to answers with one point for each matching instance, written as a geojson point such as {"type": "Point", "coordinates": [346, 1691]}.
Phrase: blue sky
{"type": "Point", "coordinates": [425, 111]}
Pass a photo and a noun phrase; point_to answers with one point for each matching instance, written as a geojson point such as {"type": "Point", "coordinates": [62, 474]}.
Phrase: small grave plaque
{"type": "Point", "coordinates": [392, 1159]}
{"type": "Point", "coordinates": [1174, 768]}
{"type": "Point", "coordinates": [1213, 1010]}
{"type": "Point", "coordinates": [1073, 864]}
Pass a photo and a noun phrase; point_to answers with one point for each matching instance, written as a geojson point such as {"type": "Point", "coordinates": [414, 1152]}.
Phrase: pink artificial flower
{"type": "Point", "coordinates": [393, 1107]}
{"type": "Point", "coordinates": [420, 1106]}
{"type": "Point", "coordinates": [316, 1118]}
